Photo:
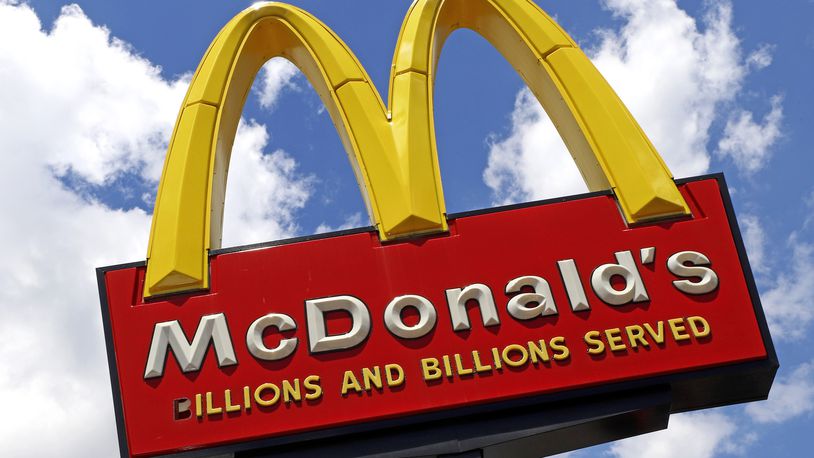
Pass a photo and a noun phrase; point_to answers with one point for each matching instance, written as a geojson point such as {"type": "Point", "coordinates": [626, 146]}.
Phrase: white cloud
{"type": "Point", "coordinates": [697, 435]}
{"type": "Point", "coordinates": [748, 143]}
{"type": "Point", "coordinates": [275, 76]}
{"type": "Point", "coordinates": [761, 57]}
{"type": "Point", "coordinates": [73, 99]}
{"type": "Point", "coordinates": [264, 190]}
{"type": "Point", "coordinates": [755, 240]}
{"type": "Point", "coordinates": [675, 73]}
{"type": "Point", "coordinates": [790, 397]}
{"type": "Point", "coordinates": [809, 219]}
{"type": "Point", "coordinates": [788, 298]}
{"type": "Point", "coordinates": [53, 375]}
{"type": "Point", "coordinates": [111, 110]}
{"type": "Point", "coordinates": [788, 304]}
{"type": "Point", "coordinates": [352, 221]}
{"type": "Point", "coordinates": [532, 162]}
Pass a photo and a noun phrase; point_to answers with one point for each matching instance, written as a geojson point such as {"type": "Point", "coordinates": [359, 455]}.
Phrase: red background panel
{"type": "Point", "coordinates": [490, 248]}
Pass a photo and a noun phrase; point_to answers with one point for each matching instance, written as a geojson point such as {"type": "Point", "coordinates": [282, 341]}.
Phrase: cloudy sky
{"type": "Point", "coordinates": [89, 93]}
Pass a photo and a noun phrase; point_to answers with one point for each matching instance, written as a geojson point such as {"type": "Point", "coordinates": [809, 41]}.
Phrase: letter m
{"type": "Point", "coordinates": [190, 356]}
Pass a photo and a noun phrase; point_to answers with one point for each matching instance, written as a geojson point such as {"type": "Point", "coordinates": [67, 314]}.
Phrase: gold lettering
{"type": "Point", "coordinates": [349, 382]}
{"type": "Point", "coordinates": [595, 345]}
{"type": "Point", "coordinates": [291, 392]}
{"type": "Point", "coordinates": [538, 351]}
{"type": "Point", "coordinates": [561, 352]}
{"type": "Point", "coordinates": [228, 398]}
{"type": "Point", "coordinates": [312, 388]}
{"type": "Point", "coordinates": [614, 339]}
{"type": "Point", "coordinates": [517, 348]}
{"type": "Point", "coordinates": [636, 333]}
{"type": "Point", "coordinates": [694, 321]}
{"type": "Point", "coordinates": [247, 398]}
{"type": "Point", "coordinates": [678, 329]}
{"type": "Point", "coordinates": [210, 408]}
{"type": "Point", "coordinates": [658, 337]}
{"type": "Point", "coordinates": [392, 380]}
{"type": "Point", "coordinates": [459, 366]}
{"type": "Point", "coordinates": [374, 377]}
{"type": "Point", "coordinates": [198, 406]}
{"type": "Point", "coordinates": [496, 358]}
{"type": "Point", "coordinates": [430, 369]}
{"type": "Point", "coordinates": [478, 366]}
{"type": "Point", "coordinates": [258, 394]}
{"type": "Point", "coordinates": [447, 367]}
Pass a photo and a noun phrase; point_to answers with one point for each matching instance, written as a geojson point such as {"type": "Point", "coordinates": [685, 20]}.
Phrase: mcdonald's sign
{"type": "Point", "coordinates": [585, 318]}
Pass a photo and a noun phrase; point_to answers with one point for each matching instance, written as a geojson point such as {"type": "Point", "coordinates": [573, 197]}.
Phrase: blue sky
{"type": "Point", "coordinates": [89, 92]}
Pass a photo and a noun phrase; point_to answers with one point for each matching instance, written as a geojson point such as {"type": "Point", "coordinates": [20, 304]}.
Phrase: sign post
{"type": "Point", "coordinates": [585, 318]}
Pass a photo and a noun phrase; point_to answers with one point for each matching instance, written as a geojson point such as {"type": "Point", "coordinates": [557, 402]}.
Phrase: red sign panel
{"type": "Point", "coordinates": [512, 303]}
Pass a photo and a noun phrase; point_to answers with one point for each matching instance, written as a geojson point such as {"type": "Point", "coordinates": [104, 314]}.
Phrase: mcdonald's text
{"type": "Point", "coordinates": [412, 316]}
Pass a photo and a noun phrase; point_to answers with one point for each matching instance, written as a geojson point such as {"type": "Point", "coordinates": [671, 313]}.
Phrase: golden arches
{"type": "Point", "coordinates": [393, 153]}
{"type": "Point", "coordinates": [609, 147]}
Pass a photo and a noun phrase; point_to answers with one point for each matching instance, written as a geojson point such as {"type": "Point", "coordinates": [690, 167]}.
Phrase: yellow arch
{"type": "Point", "coordinates": [393, 153]}
{"type": "Point", "coordinates": [609, 147]}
